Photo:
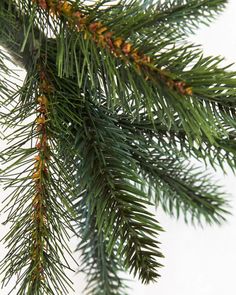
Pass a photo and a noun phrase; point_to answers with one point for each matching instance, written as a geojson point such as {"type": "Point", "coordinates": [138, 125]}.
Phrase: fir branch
{"type": "Point", "coordinates": [173, 183]}
{"type": "Point", "coordinates": [102, 269]}
{"type": "Point", "coordinates": [119, 110]}
{"type": "Point", "coordinates": [101, 35]}
{"type": "Point", "coordinates": [175, 140]}
{"type": "Point", "coordinates": [184, 16]}
{"type": "Point", "coordinates": [181, 187]}
{"type": "Point", "coordinates": [114, 200]}
{"type": "Point", "coordinates": [148, 18]}
{"type": "Point", "coordinates": [160, 86]}
{"type": "Point", "coordinates": [172, 77]}
{"type": "Point", "coordinates": [38, 206]}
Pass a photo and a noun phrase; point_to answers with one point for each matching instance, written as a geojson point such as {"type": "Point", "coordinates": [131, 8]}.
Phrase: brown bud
{"type": "Point", "coordinates": [127, 48]}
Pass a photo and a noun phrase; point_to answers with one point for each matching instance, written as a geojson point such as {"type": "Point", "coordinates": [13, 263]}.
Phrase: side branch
{"type": "Point", "coordinates": [40, 212]}
{"type": "Point", "coordinates": [40, 176]}
{"type": "Point", "coordinates": [119, 47]}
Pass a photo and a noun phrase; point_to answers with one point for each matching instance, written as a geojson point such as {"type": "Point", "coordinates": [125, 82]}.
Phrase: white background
{"type": "Point", "coordinates": [197, 261]}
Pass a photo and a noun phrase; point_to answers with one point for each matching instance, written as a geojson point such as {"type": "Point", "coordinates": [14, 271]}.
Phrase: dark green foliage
{"type": "Point", "coordinates": [17, 175]}
{"type": "Point", "coordinates": [101, 267]}
{"type": "Point", "coordinates": [121, 136]}
{"type": "Point", "coordinates": [117, 203]}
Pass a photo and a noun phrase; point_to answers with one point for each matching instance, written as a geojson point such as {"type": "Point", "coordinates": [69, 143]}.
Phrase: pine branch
{"type": "Point", "coordinates": [119, 207]}
{"type": "Point", "coordinates": [173, 183]}
{"type": "Point", "coordinates": [180, 187]}
{"type": "Point", "coordinates": [119, 107]}
{"type": "Point", "coordinates": [175, 141]}
{"type": "Point", "coordinates": [102, 36]}
{"type": "Point", "coordinates": [102, 274]}
{"type": "Point", "coordinates": [102, 269]}
{"type": "Point", "coordinates": [154, 134]}
{"type": "Point", "coordinates": [161, 88]}
{"type": "Point", "coordinates": [174, 84]}
{"type": "Point", "coordinates": [38, 207]}
{"type": "Point", "coordinates": [186, 15]}
{"type": "Point", "coordinates": [149, 17]}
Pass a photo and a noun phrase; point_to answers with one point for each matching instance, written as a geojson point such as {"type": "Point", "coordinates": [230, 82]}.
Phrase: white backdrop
{"type": "Point", "coordinates": [198, 261]}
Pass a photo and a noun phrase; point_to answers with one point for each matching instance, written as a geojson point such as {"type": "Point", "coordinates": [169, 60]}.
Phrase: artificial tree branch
{"type": "Point", "coordinates": [39, 202]}
{"type": "Point", "coordinates": [120, 48]}
{"type": "Point", "coordinates": [116, 110]}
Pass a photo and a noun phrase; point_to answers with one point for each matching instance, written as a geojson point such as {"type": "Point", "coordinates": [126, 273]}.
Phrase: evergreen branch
{"type": "Point", "coordinates": [145, 129]}
{"type": "Point", "coordinates": [119, 207]}
{"type": "Point", "coordinates": [98, 264]}
{"type": "Point", "coordinates": [120, 107]}
{"type": "Point", "coordinates": [160, 87]}
{"type": "Point", "coordinates": [101, 35]}
{"type": "Point", "coordinates": [171, 86]}
{"type": "Point", "coordinates": [38, 207]}
{"type": "Point", "coordinates": [173, 182]}
{"type": "Point", "coordinates": [102, 269]}
{"type": "Point", "coordinates": [148, 18]}
{"type": "Point", "coordinates": [174, 76]}
{"type": "Point", "coordinates": [186, 15]}
{"type": "Point", "coordinates": [176, 141]}
{"type": "Point", "coordinates": [178, 186]}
